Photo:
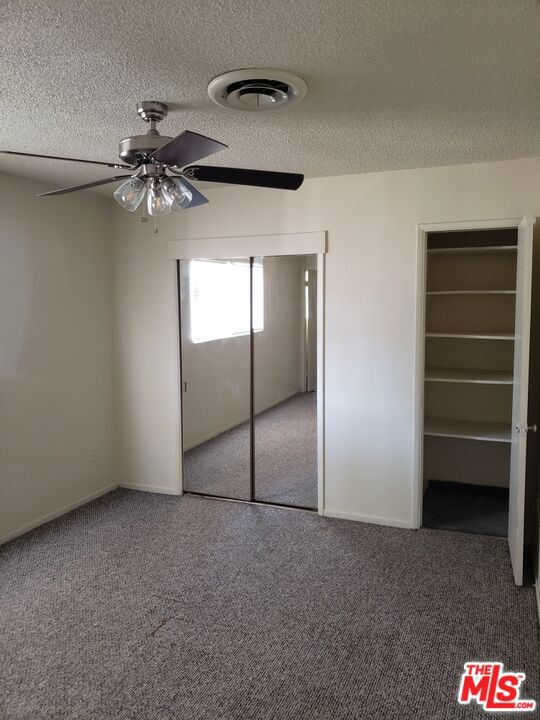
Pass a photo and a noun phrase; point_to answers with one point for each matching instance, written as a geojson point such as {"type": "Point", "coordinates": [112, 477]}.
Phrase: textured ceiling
{"type": "Point", "coordinates": [392, 83]}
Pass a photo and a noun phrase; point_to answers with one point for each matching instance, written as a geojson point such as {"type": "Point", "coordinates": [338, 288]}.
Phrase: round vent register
{"type": "Point", "coordinates": [257, 89]}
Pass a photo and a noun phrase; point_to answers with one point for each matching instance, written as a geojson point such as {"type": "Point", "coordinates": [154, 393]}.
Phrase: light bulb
{"type": "Point", "coordinates": [176, 192]}
{"type": "Point", "coordinates": [130, 193]}
{"type": "Point", "coordinates": [157, 203]}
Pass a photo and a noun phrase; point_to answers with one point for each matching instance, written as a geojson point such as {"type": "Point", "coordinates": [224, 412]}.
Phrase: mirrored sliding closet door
{"type": "Point", "coordinates": [216, 376]}
{"type": "Point", "coordinates": [285, 376]}
{"type": "Point", "coordinates": [249, 378]}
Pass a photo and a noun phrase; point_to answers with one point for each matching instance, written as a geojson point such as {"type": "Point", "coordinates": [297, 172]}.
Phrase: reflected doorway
{"type": "Point", "coordinates": [249, 378]}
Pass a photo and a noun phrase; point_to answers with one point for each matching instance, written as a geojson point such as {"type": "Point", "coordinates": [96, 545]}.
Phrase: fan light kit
{"type": "Point", "coordinates": [257, 89]}
{"type": "Point", "coordinates": [163, 171]}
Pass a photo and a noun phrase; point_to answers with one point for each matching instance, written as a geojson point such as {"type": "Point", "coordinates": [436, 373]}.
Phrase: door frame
{"type": "Point", "coordinates": [306, 243]}
{"type": "Point", "coordinates": [422, 231]}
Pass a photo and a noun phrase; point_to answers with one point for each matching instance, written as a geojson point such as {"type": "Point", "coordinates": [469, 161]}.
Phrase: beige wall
{"type": "Point", "coordinates": [55, 352]}
{"type": "Point", "coordinates": [55, 340]}
{"type": "Point", "coordinates": [371, 296]}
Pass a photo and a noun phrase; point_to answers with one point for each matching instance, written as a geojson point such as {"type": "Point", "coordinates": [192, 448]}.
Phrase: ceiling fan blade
{"type": "Point", "coordinates": [56, 157]}
{"type": "Point", "coordinates": [243, 176]}
{"type": "Point", "coordinates": [186, 148]}
{"type": "Point", "coordinates": [74, 188]}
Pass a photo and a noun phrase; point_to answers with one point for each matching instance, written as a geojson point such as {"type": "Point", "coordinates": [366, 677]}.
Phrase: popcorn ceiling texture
{"type": "Point", "coordinates": [391, 84]}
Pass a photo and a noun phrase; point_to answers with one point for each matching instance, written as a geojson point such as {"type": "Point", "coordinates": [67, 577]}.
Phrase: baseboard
{"type": "Point", "coordinates": [371, 519]}
{"type": "Point", "coordinates": [150, 488]}
{"type": "Point", "coordinates": [57, 513]}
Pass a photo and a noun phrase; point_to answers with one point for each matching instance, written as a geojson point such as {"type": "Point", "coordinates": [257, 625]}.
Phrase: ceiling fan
{"type": "Point", "coordinates": [163, 170]}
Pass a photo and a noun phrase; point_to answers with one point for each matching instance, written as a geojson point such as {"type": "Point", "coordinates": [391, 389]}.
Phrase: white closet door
{"type": "Point", "coordinates": [520, 397]}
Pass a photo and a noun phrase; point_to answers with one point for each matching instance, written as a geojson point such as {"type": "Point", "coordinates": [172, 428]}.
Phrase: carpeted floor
{"type": "Point", "coordinates": [467, 508]}
{"type": "Point", "coordinates": [153, 607]}
{"type": "Point", "coordinates": [285, 457]}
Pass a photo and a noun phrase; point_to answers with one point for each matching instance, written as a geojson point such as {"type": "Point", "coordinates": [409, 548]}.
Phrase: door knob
{"type": "Point", "coordinates": [523, 429]}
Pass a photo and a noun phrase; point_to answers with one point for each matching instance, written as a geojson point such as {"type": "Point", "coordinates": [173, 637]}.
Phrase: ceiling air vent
{"type": "Point", "coordinates": [257, 89]}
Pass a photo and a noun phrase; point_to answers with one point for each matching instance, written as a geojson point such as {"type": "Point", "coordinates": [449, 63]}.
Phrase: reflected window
{"type": "Point", "coordinates": [219, 292]}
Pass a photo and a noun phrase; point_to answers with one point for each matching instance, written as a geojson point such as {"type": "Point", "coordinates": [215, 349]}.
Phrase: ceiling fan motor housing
{"type": "Point", "coordinates": [136, 149]}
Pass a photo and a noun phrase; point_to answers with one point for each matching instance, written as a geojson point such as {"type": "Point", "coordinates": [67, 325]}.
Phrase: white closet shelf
{"type": "Point", "coordinates": [463, 375]}
{"type": "Point", "coordinates": [493, 249]}
{"type": "Point", "coordinates": [472, 336]}
{"type": "Point", "coordinates": [471, 292]}
{"type": "Point", "coordinates": [466, 430]}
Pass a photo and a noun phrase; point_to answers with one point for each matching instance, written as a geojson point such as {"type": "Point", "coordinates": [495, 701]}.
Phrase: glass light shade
{"type": "Point", "coordinates": [157, 203]}
{"type": "Point", "coordinates": [177, 193]}
{"type": "Point", "coordinates": [130, 193]}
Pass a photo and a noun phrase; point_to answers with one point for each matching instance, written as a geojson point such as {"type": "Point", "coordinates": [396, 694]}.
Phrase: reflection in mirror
{"type": "Point", "coordinates": [216, 386]}
{"type": "Point", "coordinates": [285, 381]}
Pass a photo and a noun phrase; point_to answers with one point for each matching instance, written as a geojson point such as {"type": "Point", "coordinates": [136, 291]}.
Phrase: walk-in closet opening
{"type": "Point", "coordinates": [249, 378]}
{"type": "Point", "coordinates": [469, 355]}
{"type": "Point", "coordinates": [476, 361]}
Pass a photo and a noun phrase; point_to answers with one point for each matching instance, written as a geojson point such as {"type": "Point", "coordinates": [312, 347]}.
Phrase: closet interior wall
{"type": "Point", "coordinates": [469, 350]}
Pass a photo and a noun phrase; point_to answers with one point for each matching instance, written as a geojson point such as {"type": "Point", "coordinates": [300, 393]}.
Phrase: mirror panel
{"type": "Point", "coordinates": [215, 373]}
{"type": "Point", "coordinates": [285, 379]}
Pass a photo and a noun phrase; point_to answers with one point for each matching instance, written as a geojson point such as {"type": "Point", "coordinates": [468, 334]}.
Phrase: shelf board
{"type": "Point", "coordinates": [472, 336]}
{"type": "Point", "coordinates": [463, 375]}
{"type": "Point", "coordinates": [492, 249]}
{"type": "Point", "coordinates": [471, 292]}
{"type": "Point", "coordinates": [467, 430]}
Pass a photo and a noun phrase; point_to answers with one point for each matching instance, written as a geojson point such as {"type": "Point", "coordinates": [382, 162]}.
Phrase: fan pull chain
{"type": "Point", "coordinates": [144, 219]}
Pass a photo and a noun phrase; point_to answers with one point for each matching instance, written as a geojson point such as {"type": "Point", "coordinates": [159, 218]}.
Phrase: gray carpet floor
{"type": "Point", "coordinates": [153, 607]}
{"type": "Point", "coordinates": [285, 457]}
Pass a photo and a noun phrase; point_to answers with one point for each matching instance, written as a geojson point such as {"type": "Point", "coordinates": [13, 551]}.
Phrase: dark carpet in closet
{"type": "Point", "coordinates": [468, 508]}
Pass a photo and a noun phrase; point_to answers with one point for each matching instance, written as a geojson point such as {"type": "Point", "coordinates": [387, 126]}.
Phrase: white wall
{"type": "Point", "coordinates": [55, 352]}
{"type": "Point", "coordinates": [370, 315]}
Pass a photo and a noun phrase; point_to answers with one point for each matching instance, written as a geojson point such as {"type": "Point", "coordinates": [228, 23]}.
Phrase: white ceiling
{"type": "Point", "coordinates": [392, 83]}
